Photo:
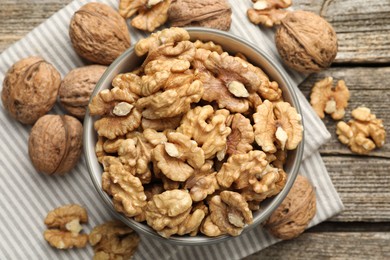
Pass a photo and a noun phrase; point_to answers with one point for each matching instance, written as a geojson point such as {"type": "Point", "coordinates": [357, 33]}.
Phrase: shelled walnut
{"type": "Point", "coordinates": [189, 163]}
{"type": "Point", "coordinates": [268, 12]}
{"type": "Point", "coordinates": [55, 144]}
{"type": "Point", "coordinates": [64, 223]}
{"type": "Point", "coordinates": [362, 134]}
{"type": "Point", "coordinates": [291, 218]}
{"type": "Point", "coordinates": [325, 98]}
{"type": "Point", "coordinates": [30, 89]}
{"type": "Point", "coordinates": [98, 33]}
{"type": "Point", "coordinates": [113, 240]}
{"type": "Point", "coordinates": [149, 14]}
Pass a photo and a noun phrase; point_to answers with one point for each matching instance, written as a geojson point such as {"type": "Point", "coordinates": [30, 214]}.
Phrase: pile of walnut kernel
{"type": "Point", "coordinates": [194, 139]}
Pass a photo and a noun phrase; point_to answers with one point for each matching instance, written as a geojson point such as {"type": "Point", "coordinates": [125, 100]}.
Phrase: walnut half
{"type": "Point", "coordinates": [65, 227]}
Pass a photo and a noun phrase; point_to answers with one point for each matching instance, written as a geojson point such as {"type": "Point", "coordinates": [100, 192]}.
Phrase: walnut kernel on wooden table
{"type": "Point", "coordinates": [325, 98]}
{"type": "Point", "coordinates": [362, 134]}
{"type": "Point", "coordinates": [30, 89]}
{"type": "Point", "coordinates": [306, 42]}
{"type": "Point", "coordinates": [113, 240]}
{"type": "Point", "coordinates": [293, 215]}
{"type": "Point", "coordinates": [55, 143]}
{"type": "Point", "coordinates": [64, 227]}
{"type": "Point", "coordinates": [98, 33]}
{"type": "Point", "coordinates": [204, 13]}
{"type": "Point", "coordinates": [77, 86]}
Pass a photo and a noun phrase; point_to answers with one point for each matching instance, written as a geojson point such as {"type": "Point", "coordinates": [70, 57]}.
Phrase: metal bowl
{"type": "Point", "coordinates": [232, 44]}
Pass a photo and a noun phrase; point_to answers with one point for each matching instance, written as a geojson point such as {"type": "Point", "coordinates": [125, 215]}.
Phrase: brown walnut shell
{"type": "Point", "coordinates": [291, 218]}
{"type": "Point", "coordinates": [98, 33]}
{"type": "Point", "coordinates": [30, 89]}
{"type": "Point", "coordinates": [55, 144]}
{"type": "Point", "coordinates": [77, 86]}
{"type": "Point", "coordinates": [306, 42]}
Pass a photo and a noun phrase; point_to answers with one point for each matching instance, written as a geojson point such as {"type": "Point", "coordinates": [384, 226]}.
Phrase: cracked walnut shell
{"type": "Point", "coordinates": [203, 13]}
{"type": "Point", "coordinates": [113, 240]}
{"type": "Point", "coordinates": [293, 215]}
{"type": "Point", "coordinates": [306, 42]}
{"type": "Point", "coordinates": [30, 89]}
{"type": "Point", "coordinates": [98, 33]}
{"type": "Point", "coordinates": [76, 88]}
{"type": "Point", "coordinates": [364, 133]}
{"type": "Point", "coordinates": [325, 98]}
{"type": "Point", "coordinates": [55, 144]}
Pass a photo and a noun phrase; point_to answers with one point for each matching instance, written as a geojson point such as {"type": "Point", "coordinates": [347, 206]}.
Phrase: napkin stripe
{"type": "Point", "coordinates": [27, 196]}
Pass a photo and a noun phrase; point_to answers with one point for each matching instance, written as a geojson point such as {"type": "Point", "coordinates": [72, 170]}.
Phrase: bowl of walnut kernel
{"type": "Point", "coordinates": [193, 136]}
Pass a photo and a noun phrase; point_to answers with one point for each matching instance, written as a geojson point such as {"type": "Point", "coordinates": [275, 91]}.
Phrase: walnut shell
{"type": "Point", "coordinates": [291, 218]}
{"type": "Point", "coordinates": [205, 13]}
{"type": "Point", "coordinates": [77, 86]}
{"type": "Point", "coordinates": [98, 33]}
{"type": "Point", "coordinates": [30, 88]}
{"type": "Point", "coordinates": [55, 144]}
{"type": "Point", "coordinates": [306, 42]}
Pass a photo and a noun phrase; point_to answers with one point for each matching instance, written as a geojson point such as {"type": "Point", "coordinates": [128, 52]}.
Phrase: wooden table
{"type": "Point", "coordinates": [362, 231]}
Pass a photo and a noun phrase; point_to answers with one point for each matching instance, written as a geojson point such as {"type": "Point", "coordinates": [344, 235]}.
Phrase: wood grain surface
{"type": "Point", "coordinates": [362, 231]}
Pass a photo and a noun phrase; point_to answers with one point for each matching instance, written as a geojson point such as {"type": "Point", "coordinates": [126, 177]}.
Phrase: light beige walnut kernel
{"type": "Point", "coordinates": [119, 114]}
{"type": "Point", "coordinates": [293, 215]}
{"type": "Point", "coordinates": [364, 133]}
{"type": "Point", "coordinates": [166, 36]}
{"type": "Point", "coordinates": [208, 128]}
{"type": "Point", "coordinates": [161, 124]}
{"type": "Point", "coordinates": [203, 182]}
{"type": "Point", "coordinates": [211, 46]}
{"type": "Point", "coordinates": [277, 123]}
{"type": "Point", "coordinates": [126, 190]}
{"type": "Point", "coordinates": [98, 33]}
{"type": "Point", "coordinates": [113, 240]}
{"type": "Point", "coordinates": [230, 212]}
{"type": "Point", "coordinates": [325, 98]}
{"type": "Point", "coordinates": [65, 227]}
{"type": "Point", "coordinates": [172, 167]}
{"type": "Point", "coordinates": [172, 102]}
{"type": "Point", "coordinates": [242, 136]}
{"type": "Point", "coordinates": [268, 12]}
{"type": "Point", "coordinates": [168, 209]}
{"type": "Point", "coordinates": [55, 144]}
{"type": "Point", "coordinates": [210, 229]}
{"type": "Point", "coordinates": [30, 89]}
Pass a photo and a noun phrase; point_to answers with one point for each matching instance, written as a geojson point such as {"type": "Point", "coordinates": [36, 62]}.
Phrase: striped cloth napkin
{"type": "Point", "coordinates": [26, 196]}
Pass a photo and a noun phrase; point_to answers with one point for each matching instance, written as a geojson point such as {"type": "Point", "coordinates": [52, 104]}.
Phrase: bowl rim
{"type": "Point", "coordinates": [196, 240]}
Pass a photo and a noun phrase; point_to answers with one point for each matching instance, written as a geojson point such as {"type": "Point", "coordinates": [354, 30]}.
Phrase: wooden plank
{"type": "Point", "coordinates": [329, 245]}
{"type": "Point", "coordinates": [363, 184]}
{"type": "Point", "coordinates": [362, 27]}
{"type": "Point", "coordinates": [369, 87]}
{"type": "Point", "coordinates": [17, 18]}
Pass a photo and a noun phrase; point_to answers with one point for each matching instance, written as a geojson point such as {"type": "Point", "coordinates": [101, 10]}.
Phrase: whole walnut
{"type": "Point", "coordinates": [30, 89]}
{"type": "Point", "coordinates": [291, 218]}
{"type": "Point", "coordinates": [77, 86]}
{"type": "Point", "coordinates": [306, 42]}
{"type": "Point", "coordinates": [98, 33]}
{"type": "Point", "coordinates": [55, 144]}
{"type": "Point", "coordinates": [205, 13]}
